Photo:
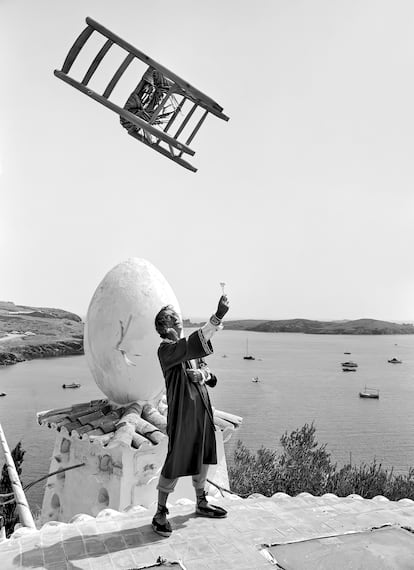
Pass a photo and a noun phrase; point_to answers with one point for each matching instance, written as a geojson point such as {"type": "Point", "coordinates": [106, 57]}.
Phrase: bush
{"type": "Point", "coordinates": [304, 465]}
{"type": "Point", "coordinates": [8, 512]}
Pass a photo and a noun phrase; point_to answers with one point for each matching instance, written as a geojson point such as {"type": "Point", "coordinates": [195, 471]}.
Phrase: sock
{"type": "Point", "coordinates": [162, 499]}
{"type": "Point", "coordinates": [201, 496]}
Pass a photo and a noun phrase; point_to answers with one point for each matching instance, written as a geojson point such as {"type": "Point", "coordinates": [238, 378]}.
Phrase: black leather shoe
{"type": "Point", "coordinates": [204, 509]}
{"type": "Point", "coordinates": [211, 511]}
{"type": "Point", "coordinates": [164, 528]}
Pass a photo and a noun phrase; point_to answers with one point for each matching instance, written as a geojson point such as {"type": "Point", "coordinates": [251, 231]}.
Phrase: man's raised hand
{"type": "Point", "coordinates": [223, 307]}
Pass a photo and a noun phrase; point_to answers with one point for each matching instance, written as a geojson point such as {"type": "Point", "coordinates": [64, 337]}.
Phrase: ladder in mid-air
{"type": "Point", "coordinates": [161, 103]}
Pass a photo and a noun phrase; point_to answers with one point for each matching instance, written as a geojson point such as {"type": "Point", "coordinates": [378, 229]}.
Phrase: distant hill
{"type": "Point", "coordinates": [36, 332]}
{"type": "Point", "coordinates": [306, 326]}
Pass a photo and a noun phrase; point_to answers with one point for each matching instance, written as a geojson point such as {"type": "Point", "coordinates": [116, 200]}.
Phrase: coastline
{"type": "Point", "coordinates": [67, 347]}
{"type": "Point", "coordinates": [27, 333]}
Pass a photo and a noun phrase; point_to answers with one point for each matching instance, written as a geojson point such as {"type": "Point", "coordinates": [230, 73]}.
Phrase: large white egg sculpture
{"type": "Point", "coordinates": [120, 339]}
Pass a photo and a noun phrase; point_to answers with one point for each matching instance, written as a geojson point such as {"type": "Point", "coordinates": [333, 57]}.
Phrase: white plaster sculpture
{"type": "Point", "coordinates": [120, 339]}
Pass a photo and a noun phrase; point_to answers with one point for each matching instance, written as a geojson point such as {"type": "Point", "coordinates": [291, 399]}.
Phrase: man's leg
{"type": "Point", "coordinates": [160, 524]}
{"type": "Point", "coordinates": [199, 482]}
{"type": "Point", "coordinates": [202, 507]}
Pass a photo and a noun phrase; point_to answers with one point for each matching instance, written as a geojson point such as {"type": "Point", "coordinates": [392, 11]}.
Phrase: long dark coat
{"type": "Point", "coordinates": [190, 424]}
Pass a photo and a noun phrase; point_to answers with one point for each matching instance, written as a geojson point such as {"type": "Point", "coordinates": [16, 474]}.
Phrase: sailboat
{"type": "Point", "coordinates": [369, 393]}
{"type": "Point", "coordinates": [247, 355]}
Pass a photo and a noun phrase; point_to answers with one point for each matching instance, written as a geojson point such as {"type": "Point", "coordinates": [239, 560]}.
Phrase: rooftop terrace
{"type": "Point", "coordinates": [303, 532]}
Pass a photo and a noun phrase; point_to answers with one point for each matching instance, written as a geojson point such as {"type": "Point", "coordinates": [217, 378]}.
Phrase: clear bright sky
{"type": "Point", "coordinates": [303, 202]}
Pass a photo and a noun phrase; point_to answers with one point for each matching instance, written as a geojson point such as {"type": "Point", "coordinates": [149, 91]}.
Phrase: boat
{"type": "Point", "coordinates": [344, 369]}
{"type": "Point", "coordinates": [247, 355]}
{"type": "Point", "coordinates": [349, 364]}
{"type": "Point", "coordinates": [255, 379]}
{"type": "Point", "coordinates": [347, 353]}
{"type": "Point", "coordinates": [369, 393]}
{"type": "Point", "coordinates": [395, 361]}
{"type": "Point", "coordinates": [72, 385]}
{"type": "Point", "coordinates": [3, 394]}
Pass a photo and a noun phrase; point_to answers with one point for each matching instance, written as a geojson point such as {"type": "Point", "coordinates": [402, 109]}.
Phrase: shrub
{"type": "Point", "coordinates": [8, 512]}
{"type": "Point", "coordinates": [304, 465]}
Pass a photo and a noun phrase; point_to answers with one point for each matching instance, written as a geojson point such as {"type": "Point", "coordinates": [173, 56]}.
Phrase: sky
{"type": "Point", "coordinates": [303, 202]}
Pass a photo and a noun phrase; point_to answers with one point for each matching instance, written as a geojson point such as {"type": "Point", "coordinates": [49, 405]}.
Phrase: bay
{"type": "Point", "coordinates": [301, 381]}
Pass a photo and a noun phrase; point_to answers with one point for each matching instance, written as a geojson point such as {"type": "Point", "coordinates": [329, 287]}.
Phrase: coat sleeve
{"type": "Point", "coordinates": [173, 353]}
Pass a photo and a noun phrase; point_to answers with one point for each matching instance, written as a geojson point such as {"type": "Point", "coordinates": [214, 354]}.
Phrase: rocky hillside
{"type": "Point", "coordinates": [37, 332]}
{"type": "Point", "coordinates": [359, 326]}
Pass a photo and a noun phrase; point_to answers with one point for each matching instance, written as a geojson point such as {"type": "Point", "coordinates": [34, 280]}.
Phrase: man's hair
{"type": "Point", "coordinates": [163, 320]}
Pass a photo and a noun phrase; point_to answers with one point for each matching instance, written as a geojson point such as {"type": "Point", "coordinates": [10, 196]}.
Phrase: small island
{"type": "Point", "coordinates": [32, 332]}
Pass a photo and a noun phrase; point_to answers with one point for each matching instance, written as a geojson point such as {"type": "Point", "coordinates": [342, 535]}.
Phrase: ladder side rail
{"type": "Point", "coordinates": [165, 152]}
{"type": "Point", "coordinates": [94, 65]}
{"type": "Point", "coordinates": [118, 74]}
{"type": "Point", "coordinates": [22, 506]}
{"type": "Point", "coordinates": [75, 49]}
{"type": "Point", "coordinates": [201, 97]}
{"type": "Point", "coordinates": [185, 121]}
{"type": "Point", "coordinates": [140, 123]}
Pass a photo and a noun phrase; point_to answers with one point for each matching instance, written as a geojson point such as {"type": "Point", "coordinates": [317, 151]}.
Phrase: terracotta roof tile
{"type": "Point", "coordinates": [102, 418]}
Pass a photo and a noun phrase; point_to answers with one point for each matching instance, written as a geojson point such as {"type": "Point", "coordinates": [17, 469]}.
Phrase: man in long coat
{"type": "Point", "coordinates": [190, 423]}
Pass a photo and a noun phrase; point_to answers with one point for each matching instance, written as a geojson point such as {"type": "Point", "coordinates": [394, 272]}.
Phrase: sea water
{"type": "Point", "coordinates": [300, 381]}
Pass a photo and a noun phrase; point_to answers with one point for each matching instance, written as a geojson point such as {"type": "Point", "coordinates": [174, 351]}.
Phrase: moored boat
{"type": "Point", "coordinates": [349, 364]}
{"type": "Point", "coordinates": [369, 393]}
{"type": "Point", "coordinates": [247, 355]}
{"type": "Point", "coordinates": [72, 385]}
{"type": "Point", "coordinates": [348, 369]}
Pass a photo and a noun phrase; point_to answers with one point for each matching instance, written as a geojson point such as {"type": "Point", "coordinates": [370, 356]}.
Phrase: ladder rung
{"type": "Point", "coordinates": [197, 127]}
{"type": "Point", "coordinates": [99, 57]}
{"type": "Point", "coordinates": [184, 123]}
{"type": "Point", "coordinates": [121, 69]}
{"type": "Point", "coordinates": [75, 49]}
{"type": "Point", "coordinates": [174, 115]}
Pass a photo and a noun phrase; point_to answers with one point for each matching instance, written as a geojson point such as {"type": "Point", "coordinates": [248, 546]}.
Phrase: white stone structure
{"type": "Point", "coordinates": [114, 474]}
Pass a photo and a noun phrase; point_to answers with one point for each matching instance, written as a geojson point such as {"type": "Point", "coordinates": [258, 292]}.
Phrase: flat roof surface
{"type": "Point", "coordinates": [301, 533]}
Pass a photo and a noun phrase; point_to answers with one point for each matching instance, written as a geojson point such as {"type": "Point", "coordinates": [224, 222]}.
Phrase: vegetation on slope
{"type": "Point", "coordinates": [305, 466]}
{"type": "Point", "coordinates": [8, 511]}
{"type": "Point", "coordinates": [33, 332]}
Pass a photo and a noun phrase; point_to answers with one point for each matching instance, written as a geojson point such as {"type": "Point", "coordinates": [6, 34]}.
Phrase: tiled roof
{"type": "Point", "coordinates": [301, 533]}
{"type": "Point", "coordinates": [98, 420]}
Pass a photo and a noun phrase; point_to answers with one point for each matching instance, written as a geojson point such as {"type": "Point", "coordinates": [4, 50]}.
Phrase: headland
{"type": "Point", "coordinates": [33, 332]}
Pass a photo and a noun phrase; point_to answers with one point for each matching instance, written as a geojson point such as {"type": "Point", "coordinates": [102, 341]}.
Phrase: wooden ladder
{"type": "Point", "coordinates": [152, 135]}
